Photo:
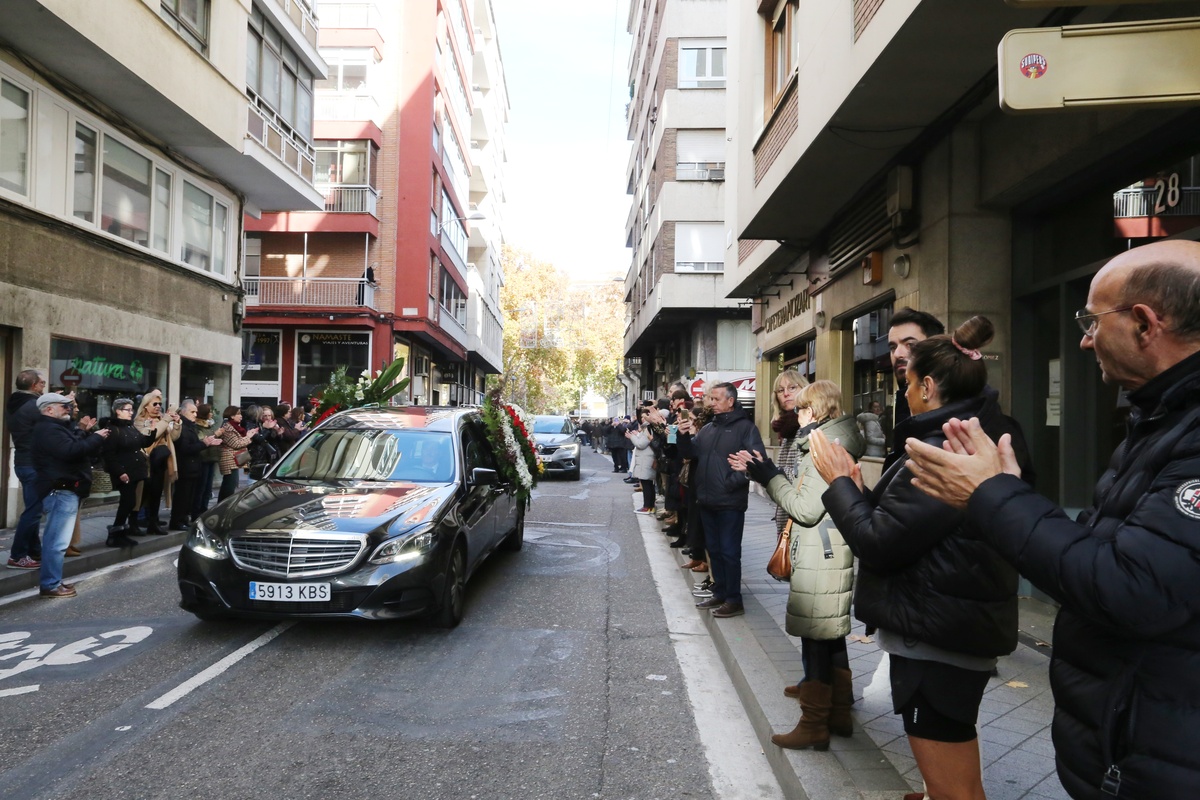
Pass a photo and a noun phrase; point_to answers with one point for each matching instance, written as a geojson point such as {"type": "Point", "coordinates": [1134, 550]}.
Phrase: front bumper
{"type": "Point", "coordinates": [561, 459]}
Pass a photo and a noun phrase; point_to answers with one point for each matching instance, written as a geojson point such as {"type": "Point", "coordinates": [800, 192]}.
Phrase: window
{"type": "Point", "coordinates": [275, 76]}
{"type": "Point", "coordinates": [735, 344]}
{"type": "Point", "coordinates": [700, 155]}
{"type": "Point", "coordinates": [351, 162]}
{"type": "Point", "coordinates": [349, 70]}
{"type": "Point", "coordinates": [125, 195]}
{"type": "Point", "coordinates": [253, 256]}
{"type": "Point", "coordinates": [14, 137]}
{"type": "Point", "coordinates": [702, 64]}
{"type": "Point", "coordinates": [782, 49]}
{"type": "Point", "coordinates": [452, 299]}
{"type": "Point", "coordinates": [162, 211]}
{"type": "Point", "coordinates": [190, 18]}
{"type": "Point", "coordinates": [84, 207]}
{"type": "Point", "coordinates": [699, 247]}
{"type": "Point", "coordinates": [452, 226]}
{"type": "Point", "coordinates": [204, 230]}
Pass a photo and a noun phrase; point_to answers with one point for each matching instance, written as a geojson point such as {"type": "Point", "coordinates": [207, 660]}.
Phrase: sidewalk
{"type": "Point", "coordinates": [876, 763]}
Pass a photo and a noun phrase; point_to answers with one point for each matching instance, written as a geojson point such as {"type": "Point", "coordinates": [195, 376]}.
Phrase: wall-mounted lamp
{"type": "Point", "coordinates": [819, 319]}
{"type": "Point", "coordinates": [902, 265]}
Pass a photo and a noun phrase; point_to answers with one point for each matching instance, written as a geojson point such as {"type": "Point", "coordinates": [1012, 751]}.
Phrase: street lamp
{"type": "Point", "coordinates": [474, 215]}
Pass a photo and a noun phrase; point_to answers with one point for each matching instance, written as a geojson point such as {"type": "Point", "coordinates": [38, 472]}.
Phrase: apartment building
{"type": "Point", "coordinates": [403, 259]}
{"type": "Point", "coordinates": [681, 324]}
{"type": "Point", "coordinates": [876, 169]}
{"type": "Point", "coordinates": [134, 136]}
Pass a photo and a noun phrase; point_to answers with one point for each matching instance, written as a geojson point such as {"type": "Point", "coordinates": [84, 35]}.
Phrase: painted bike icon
{"type": "Point", "coordinates": [21, 656]}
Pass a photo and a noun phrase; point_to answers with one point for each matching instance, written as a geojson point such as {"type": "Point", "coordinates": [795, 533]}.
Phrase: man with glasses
{"type": "Point", "coordinates": [62, 456]}
{"type": "Point", "coordinates": [22, 415]}
{"type": "Point", "coordinates": [1127, 571]}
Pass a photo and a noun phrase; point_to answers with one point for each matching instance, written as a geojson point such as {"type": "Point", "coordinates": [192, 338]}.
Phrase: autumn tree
{"type": "Point", "coordinates": [560, 338]}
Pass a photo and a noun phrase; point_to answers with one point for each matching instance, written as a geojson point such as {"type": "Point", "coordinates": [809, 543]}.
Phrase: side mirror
{"type": "Point", "coordinates": [481, 476]}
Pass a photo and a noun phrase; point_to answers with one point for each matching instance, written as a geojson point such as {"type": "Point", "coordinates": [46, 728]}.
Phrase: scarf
{"type": "Point", "coordinates": [786, 425]}
{"type": "Point", "coordinates": [241, 430]}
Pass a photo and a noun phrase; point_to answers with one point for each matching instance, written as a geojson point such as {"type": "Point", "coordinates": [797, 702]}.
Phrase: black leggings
{"type": "Point", "coordinates": [822, 656]}
{"type": "Point", "coordinates": [647, 494]}
{"type": "Point", "coordinates": [127, 493]}
{"type": "Point", "coordinates": [153, 490]}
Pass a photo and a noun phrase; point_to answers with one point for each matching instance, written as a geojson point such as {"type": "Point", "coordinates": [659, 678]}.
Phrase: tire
{"type": "Point", "coordinates": [574, 476]}
{"type": "Point", "coordinates": [516, 539]}
{"type": "Point", "coordinates": [450, 612]}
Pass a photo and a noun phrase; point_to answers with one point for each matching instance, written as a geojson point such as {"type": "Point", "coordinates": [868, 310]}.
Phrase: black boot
{"type": "Point", "coordinates": [132, 529]}
{"type": "Point", "coordinates": [680, 542]}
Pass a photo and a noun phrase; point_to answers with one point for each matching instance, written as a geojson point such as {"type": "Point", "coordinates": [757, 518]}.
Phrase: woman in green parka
{"type": "Point", "coordinates": [818, 607]}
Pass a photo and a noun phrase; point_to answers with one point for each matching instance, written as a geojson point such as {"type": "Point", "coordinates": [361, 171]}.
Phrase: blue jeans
{"type": "Point", "coordinates": [723, 540]}
{"type": "Point", "coordinates": [62, 506]}
{"type": "Point", "coordinates": [25, 540]}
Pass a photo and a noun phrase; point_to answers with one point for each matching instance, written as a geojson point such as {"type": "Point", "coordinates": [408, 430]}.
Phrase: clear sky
{"type": "Point", "coordinates": [565, 63]}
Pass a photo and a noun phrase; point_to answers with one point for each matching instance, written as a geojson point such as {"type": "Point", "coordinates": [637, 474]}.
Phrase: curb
{"type": "Point", "coordinates": [14, 581]}
{"type": "Point", "coordinates": [857, 770]}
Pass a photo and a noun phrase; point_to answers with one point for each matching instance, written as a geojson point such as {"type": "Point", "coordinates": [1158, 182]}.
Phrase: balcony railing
{"type": "Point", "coordinates": [350, 15]}
{"type": "Point", "coordinates": [271, 132]}
{"type": "Point", "coordinates": [301, 14]}
{"type": "Point", "coordinates": [310, 292]}
{"type": "Point", "coordinates": [1146, 202]}
{"type": "Point", "coordinates": [346, 106]}
{"type": "Point", "coordinates": [700, 171]}
{"type": "Point", "coordinates": [349, 199]}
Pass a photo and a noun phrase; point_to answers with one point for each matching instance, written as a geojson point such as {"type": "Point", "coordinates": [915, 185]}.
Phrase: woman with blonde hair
{"type": "Point", "coordinates": [786, 424]}
{"type": "Point", "coordinates": [818, 607]}
{"type": "Point", "coordinates": [160, 454]}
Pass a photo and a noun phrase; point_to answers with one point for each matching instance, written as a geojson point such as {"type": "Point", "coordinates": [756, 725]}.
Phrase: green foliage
{"type": "Point", "coordinates": [343, 392]}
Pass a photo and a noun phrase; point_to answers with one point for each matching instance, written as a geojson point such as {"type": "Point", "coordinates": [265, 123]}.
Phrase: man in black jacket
{"type": "Point", "coordinates": [62, 455]}
{"type": "Point", "coordinates": [22, 416]}
{"type": "Point", "coordinates": [721, 493]}
{"type": "Point", "coordinates": [1126, 664]}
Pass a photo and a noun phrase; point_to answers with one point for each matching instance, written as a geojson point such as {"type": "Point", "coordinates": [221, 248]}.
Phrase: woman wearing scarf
{"type": "Point", "coordinates": [125, 461]}
{"type": "Point", "coordinates": [160, 454]}
{"type": "Point", "coordinates": [234, 438]}
{"type": "Point", "coordinates": [786, 425]}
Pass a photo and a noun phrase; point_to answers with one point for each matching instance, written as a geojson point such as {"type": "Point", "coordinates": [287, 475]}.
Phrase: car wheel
{"type": "Point", "coordinates": [451, 611]}
{"type": "Point", "coordinates": [575, 475]}
{"type": "Point", "coordinates": [516, 539]}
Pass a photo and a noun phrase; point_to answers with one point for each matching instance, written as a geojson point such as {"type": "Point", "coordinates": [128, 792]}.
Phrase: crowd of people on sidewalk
{"type": "Point", "coordinates": [153, 455]}
{"type": "Point", "coordinates": [942, 536]}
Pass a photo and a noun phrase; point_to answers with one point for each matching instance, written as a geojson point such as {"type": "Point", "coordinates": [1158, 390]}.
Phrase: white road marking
{"type": "Point", "coordinates": [183, 689]}
{"type": "Point", "coordinates": [565, 524]}
{"type": "Point", "coordinates": [20, 690]}
{"type": "Point", "coordinates": [12, 598]}
{"type": "Point", "coordinates": [736, 763]}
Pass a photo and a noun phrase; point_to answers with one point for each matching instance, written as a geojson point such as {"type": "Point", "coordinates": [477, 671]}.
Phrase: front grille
{"type": "Point", "coordinates": [547, 449]}
{"type": "Point", "coordinates": [298, 554]}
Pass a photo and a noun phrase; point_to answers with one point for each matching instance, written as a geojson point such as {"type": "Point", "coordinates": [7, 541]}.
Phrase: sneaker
{"type": "Point", "coordinates": [63, 590]}
{"type": "Point", "coordinates": [701, 594]}
{"type": "Point", "coordinates": [644, 511]}
{"type": "Point", "coordinates": [24, 562]}
{"type": "Point", "coordinates": [704, 584]}
{"type": "Point", "coordinates": [729, 610]}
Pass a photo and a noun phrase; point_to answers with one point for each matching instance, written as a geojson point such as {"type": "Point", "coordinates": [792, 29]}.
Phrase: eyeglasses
{"type": "Point", "coordinates": [1087, 322]}
{"type": "Point", "coordinates": [789, 388]}
{"type": "Point", "coordinates": [158, 405]}
{"type": "Point", "coordinates": [123, 408]}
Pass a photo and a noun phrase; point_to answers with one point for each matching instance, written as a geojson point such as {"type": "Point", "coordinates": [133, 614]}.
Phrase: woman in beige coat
{"type": "Point", "coordinates": [160, 455]}
{"type": "Point", "coordinates": [818, 607]}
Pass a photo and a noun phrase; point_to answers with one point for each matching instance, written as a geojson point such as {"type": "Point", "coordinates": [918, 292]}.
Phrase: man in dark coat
{"type": "Point", "coordinates": [22, 416]}
{"type": "Point", "coordinates": [1126, 664]}
{"type": "Point", "coordinates": [62, 456]}
{"type": "Point", "coordinates": [721, 492]}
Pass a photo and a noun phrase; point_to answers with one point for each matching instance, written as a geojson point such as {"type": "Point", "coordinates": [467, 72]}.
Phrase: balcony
{"type": "Point", "coordinates": [300, 12]}
{"type": "Point", "coordinates": [268, 129]}
{"type": "Point", "coordinates": [310, 292]}
{"type": "Point", "coordinates": [346, 107]}
{"type": "Point", "coordinates": [700, 171]}
{"type": "Point", "coordinates": [345, 199]}
{"type": "Point", "coordinates": [350, 15]}
{"type": "Point", "coordinates": [1156, 201]}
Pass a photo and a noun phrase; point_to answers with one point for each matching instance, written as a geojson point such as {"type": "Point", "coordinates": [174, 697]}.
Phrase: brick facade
{"type": "Point", "coordinates": [864, 12]}
{"type": "Point", "coordinates": [783, 125]}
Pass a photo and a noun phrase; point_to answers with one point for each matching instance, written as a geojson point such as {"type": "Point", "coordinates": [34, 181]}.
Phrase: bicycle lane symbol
{"type": "Point", "coordinates": [19, 656]}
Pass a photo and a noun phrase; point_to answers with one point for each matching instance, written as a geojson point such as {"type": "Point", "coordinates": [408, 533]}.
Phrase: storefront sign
{"type": "Point", "coordinates": [100, 367]}
{"type": "Point", "coordinates": [104, 368]}
{"type": "Point", "coordinates": [744, 383]}
{"type": "Point", "coordinates": [335, 338]}
{"type": "Point", "coordinates": [794, 308]}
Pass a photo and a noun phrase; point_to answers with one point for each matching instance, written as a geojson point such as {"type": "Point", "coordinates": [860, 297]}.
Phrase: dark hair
{"type": "Point", "coordinates": [680, 394]}
{"type": "Point", "coordinates": [204, 411]}
{"type": "Point", "coordinates": [730, 390]}
{"type": "Point", "coordinates": [28, 378]}
{"type": "Point", "coordinates": [231, 411]}
{"type": "Point", "coordinates": [282, 410]}
{"type": "Point", "coordinates": [664, 403]}
{"type": "Point", "coordinates": [956, 374]}
{"type": "Point", "coordinates": [928, 323]}
{"type": "Point", "coordinates": [1172, 290]}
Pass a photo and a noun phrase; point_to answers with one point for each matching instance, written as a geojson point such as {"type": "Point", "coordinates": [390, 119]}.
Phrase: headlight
{"type": "Point", "coordinates": [203, 542]}
{"type": "Point", "coordinates": [570, 449]}
{"type": "Point", "coordinates": [412, 546]}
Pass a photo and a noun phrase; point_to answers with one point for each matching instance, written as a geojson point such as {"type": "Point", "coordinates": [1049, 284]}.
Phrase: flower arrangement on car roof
{"type": "Point", "coordinates": [342, 392]}
{"type": "Point", "coordinates": [506, 429]}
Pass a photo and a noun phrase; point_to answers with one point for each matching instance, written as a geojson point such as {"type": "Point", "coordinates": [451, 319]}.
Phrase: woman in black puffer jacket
{"type": "Point", "coordinates": [944, 602]}
{"type": "Point", "coordinates": [126, 464]}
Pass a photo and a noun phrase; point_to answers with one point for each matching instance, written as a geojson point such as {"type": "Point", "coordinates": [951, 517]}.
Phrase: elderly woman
{"type": "Point", "coordinates": [943, 601]}
{"type": "Point", "coordinates": [125, 462]}
{"type": "Point", "coordinates": [160, 453]}
{"type": "Point", "coordinates": [188, 448]}
{"type": "Point", "coordinates": [818, 607]}
{"type": "Point", "coordinates": [234, 439]}
{"type": "Point", "coordinates": [642, 468]}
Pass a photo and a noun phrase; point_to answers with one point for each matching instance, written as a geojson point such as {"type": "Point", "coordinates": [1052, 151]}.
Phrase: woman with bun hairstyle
{"type": "Point", "coordinates": [944, 603]}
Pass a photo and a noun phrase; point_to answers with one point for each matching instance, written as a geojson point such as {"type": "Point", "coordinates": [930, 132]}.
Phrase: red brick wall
{"type": "Point", "coordinates": [864, 12]}
{"type": "Point", "coordinates": [782, 126]}
{"type": "Point", "coordinates": [746, 247]}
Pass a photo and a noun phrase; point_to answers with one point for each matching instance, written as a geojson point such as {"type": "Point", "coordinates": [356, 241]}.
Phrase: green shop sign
{"type": "Point", "coordinates": [101, 367]}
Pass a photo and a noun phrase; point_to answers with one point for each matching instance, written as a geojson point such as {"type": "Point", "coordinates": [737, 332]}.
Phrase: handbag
{"type": "Point", "coordinates": [241, 457]}
{"type": "Point", "coordinates": [780, 565]}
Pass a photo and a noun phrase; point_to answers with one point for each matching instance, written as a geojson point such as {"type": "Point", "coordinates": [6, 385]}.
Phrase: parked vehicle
{"type": "Point", "coordinates": [380, 513]}
{"type": "Point", "coordinates": [557, 444]}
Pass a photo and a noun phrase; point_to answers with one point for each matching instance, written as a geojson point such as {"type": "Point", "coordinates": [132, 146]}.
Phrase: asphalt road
{"type": "Point", "coordinates": [562, 682]}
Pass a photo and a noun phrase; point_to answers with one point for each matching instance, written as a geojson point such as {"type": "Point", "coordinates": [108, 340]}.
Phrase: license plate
{"type": "Point", "coordinates": [289, 592]}
{"type": "Point", "coordinates": [545, 459]}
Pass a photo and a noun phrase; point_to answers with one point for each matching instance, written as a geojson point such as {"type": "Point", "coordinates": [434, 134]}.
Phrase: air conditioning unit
{"type": "Point", "coordinates": [716, 174]}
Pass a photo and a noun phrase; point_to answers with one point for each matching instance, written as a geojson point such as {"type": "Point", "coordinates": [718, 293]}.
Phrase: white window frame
{"type": "Point", "coordinates": [712, 262]}
{"type": "Point", "coordinates": [708, 80]}
{"type": "Point", "coordinates": [30, 136]}
{"type": "Point", "coordinates": [194, 36]}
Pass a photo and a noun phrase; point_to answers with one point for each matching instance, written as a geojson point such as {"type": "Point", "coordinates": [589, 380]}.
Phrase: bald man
{"type": "Point", "coordinates": [1126, 663]}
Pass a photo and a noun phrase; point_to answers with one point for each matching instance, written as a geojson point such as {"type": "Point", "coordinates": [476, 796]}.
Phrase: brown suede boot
{"type": "Point", "coordinates": [840, 723]}
{"type": "Point", "coordinates": [813, 728]}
